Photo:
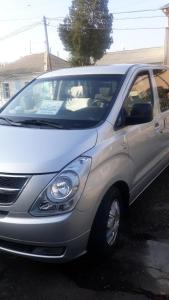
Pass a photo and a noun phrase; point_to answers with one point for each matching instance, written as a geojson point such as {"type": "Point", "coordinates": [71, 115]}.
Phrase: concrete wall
{"type": "Point", "coordinates": [15, 85]}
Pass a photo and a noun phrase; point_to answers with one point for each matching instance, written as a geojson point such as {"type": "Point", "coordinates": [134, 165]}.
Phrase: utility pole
{"type": "Point", "coordinates": [165, 10]}
{"type": "Point", "coordinates": [47, 45]}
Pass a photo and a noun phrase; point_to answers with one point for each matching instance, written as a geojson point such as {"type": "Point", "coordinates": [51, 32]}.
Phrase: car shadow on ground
{"type": "Point", "coordinates": [137, 269]}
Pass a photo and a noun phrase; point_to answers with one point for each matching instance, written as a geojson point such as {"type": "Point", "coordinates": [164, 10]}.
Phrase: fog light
{"type": "Point", "coordinates": [49, 251]}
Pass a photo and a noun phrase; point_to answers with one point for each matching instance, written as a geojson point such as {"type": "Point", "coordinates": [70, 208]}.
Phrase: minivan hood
{"type": "Point", "coordinates": [33, 150]}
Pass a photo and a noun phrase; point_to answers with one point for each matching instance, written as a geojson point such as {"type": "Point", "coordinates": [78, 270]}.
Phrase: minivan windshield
{"type": "Point", "coordinates": [63, 102]}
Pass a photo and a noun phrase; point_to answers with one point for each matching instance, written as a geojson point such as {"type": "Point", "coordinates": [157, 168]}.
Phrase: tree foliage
{"type": "Point", "coordinates": [86, 31]}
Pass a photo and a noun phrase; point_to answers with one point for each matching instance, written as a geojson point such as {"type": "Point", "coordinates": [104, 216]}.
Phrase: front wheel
{"type": "Point", "coordinates": [106, 226]}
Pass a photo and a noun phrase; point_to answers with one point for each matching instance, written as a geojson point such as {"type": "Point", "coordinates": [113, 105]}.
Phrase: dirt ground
{"type": "Point", "coordinates": [137, 270]}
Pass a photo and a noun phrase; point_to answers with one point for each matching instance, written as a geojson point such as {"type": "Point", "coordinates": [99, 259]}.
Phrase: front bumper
{"type": "Point", "coordinates": [58, 253]}
{"type": "Point", "coordinates": [53, 238]}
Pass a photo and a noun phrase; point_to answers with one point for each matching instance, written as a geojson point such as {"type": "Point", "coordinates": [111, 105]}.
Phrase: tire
{"type": "Point", "coordinates": [104, 235]}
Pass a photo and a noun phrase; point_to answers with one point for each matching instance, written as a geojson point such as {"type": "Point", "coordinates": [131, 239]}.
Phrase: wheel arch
{"type": "Point", "coordinates": [123, 188]}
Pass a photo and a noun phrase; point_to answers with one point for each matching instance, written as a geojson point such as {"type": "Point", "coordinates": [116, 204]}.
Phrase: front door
{"type": "Point", "coordinates": [143, 139]}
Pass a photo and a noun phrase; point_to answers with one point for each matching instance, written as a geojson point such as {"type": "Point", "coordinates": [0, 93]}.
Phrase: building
{"type": "Point", "coordinates": [13, 76]}
{"type": "Point", "coordinates": [146, 55]}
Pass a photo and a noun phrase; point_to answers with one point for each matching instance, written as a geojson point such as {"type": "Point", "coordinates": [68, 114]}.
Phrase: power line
{"type": "Point", "coordinates": [140, 17]}
{"type": "Point", "coordinates": [135, 11]}
{"type": "Point", "coordinates": [61, 18]}
{"type": "Point", "coordinates": [20, 30]}
{"type": "Point", "coordinates": [127, 28]}
{"type": "Point", "coordinates": [116, 19]}
{"type": "Point", "coordinates": [121, 12]}
{"type": "Point", "coordinates": [139, 28]}
{"type": "Point", "coordinates": [19, 19]}
{"type": "Point", "coordinates": [28, 27]}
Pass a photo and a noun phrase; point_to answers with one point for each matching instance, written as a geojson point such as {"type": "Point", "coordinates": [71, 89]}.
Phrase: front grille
{"type": "Point", "coordinates": [10, 188]}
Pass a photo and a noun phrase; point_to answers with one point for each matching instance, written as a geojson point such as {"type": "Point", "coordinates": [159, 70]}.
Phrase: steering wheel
{"type": "Point", "coordinates": [99, 103]}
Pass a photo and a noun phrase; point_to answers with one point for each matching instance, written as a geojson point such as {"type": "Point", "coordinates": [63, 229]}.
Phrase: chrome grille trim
{"type": "Point", "coordinates": [8, 190]}
{"type": "Point", "coordinates": [11, 186]}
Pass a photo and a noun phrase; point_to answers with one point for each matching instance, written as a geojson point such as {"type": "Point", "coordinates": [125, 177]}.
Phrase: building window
{"type": "Point", "coordinates": [6, 90]}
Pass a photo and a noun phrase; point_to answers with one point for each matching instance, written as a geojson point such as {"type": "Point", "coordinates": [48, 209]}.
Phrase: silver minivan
{"type": "Point", "coordinates": [78, 146]}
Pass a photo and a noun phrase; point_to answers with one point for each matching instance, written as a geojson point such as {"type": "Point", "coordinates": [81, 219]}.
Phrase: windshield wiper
{"type": "Point", "coordinates": [74, 124]}
{"type": "Point", "coordinates": [9, 121]}
{"type": "Point", "coordinates": [40, 123]}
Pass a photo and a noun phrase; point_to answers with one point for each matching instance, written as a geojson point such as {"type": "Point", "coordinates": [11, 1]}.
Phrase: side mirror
{"type": "Point", "coordinates": [140, 113]}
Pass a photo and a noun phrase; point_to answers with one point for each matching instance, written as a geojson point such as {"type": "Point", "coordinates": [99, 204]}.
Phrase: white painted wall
{"type": "Point", "coordinates": [14, 85]}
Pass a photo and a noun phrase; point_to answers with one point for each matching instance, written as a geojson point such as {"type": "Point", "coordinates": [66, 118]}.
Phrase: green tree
{"type": "Point", "coordinates": [86, 31]}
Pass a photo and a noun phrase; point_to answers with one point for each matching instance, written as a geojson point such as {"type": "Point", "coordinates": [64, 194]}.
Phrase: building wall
{"type": "Point", "coordinates": [15, 84]}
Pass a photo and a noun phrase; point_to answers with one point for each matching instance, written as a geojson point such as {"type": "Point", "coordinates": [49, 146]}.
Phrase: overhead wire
{"type": "Point", "coordinates": [19, 19]}
{"type": "Point", "coordinates": [140, 17]}
{"type": "Point", "coordinates": [114, 28]}
{"type": "Point", "coordinates": [20, 30]}
{"type": "Point", "coordinates": [31, 26]}
{"type": "Point", "coordinates": [120, 19]}
{"type": "Point", "coordinates": [115, 13]}
{"type": "Point", "coordinates": [135, 11]}
{"type": "Point", "coordinates": [123, 12]}
{"type": "Point", "coordinates": [116, 19]}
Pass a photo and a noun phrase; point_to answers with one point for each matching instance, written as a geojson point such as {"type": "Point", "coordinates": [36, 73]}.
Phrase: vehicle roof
{"type": "Point", "coordinates": [94, 70]}
{"type": "Point", "coordinates": [107, 69]}
{"type": "Point", "coordinates": [89, 70]}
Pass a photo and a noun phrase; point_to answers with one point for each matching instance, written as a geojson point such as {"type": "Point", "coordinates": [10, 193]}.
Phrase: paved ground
{"type": "Point", "coordinates": [137, 270]}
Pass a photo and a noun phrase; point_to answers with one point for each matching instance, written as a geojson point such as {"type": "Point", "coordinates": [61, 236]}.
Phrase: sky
{"type": "Point", "coordinates": [18, 14]}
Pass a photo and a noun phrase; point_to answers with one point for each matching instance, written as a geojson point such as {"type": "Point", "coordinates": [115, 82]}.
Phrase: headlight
{"type": "Point", "coordinates": [64, 191]}
{"type": "Point", "coordinates": [63, 187]}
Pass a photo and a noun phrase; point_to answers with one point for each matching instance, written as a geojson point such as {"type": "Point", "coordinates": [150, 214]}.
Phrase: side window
{"type": "Point", "coordinates": [140, 92]}
{"type": "Point", "coordinates": [162, 83]}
